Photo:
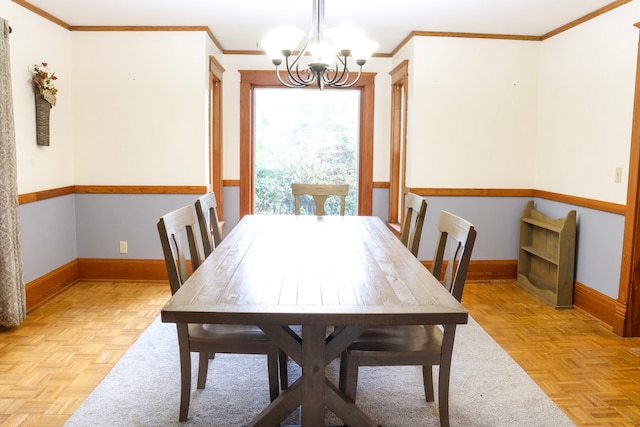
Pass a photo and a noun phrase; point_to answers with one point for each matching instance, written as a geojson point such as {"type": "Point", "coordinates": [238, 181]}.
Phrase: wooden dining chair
{"type": "Point", "coordinates": [320, 192]}
{"type": "Point", "coordinates": [421, 345]}
{"type": "Point", "coordinates": [411, 231]}
{"type": "Point", "coordinates": [208, 220]}
{"type": "Point", "coordinates": [177, 235]}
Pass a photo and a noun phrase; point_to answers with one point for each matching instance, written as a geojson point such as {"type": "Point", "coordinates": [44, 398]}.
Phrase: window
{"type": "Point", "coordinates": [252, 80]}
{"type": "Point", "coordinates": [304, 136]}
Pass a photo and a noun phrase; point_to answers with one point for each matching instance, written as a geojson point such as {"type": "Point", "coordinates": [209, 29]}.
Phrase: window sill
{"type": "Point", "coordinates": [395, 228]}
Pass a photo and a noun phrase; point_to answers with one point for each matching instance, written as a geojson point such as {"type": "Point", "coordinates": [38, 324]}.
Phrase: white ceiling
{"type": "Point", "coordinates": [240, 24]}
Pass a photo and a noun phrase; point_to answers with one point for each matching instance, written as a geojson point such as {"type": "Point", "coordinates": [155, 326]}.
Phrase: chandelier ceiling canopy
{"type": "Point", "coordinates": [323, 58]}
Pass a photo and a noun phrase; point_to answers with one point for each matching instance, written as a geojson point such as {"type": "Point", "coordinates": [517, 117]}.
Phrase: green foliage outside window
{"type": "Point", "coordinates": [305, 136]}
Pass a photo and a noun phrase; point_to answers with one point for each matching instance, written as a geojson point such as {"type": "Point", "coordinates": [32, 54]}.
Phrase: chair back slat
{"type": "Point", "coordinates": [177, 236]}
{"type": "Point", "coordinates": [454, 247]}
{"type": "Point", "coordinates": [320, 192]}
{"type": "Point", "coordinates": [206, 211]}
{"type": "Point", "coordinates": [411, 231]}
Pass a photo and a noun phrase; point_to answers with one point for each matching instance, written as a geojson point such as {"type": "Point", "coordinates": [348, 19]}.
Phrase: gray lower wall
{"type": "Point", "coordinates": [103, 220]}
{"type": "Point", "coordinates": [48, 232]}
{"type": "Point", "coordinates": [495, 218]}
{"type": "Point", "coordinates": [599, 238]}
{"type": "Point", "coordinates": [57, 231]}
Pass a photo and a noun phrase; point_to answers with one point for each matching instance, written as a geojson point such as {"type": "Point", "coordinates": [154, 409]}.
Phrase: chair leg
{"type": "Point", "coordinates": [443, 395]}
{"type": "Point", "coordinates": [272, 364]}
{"type": "Point", "coordinates": [284, 370]}
{"type": "Point", "coordinates": [427, 378]}
{"type": "Point", "coordinates": [203, 369]}
{"type": "Point", "coordinates": [445, 371]}
{"type": "Point", "coordinates": [185, 371]}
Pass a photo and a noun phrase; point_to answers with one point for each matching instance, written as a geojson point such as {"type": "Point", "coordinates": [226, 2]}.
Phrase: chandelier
{"type": "Point", "coordinates": [328, 51]}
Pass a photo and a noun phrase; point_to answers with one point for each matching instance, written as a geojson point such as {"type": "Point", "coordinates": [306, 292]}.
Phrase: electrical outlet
{"type": "Point", "coordinates": [619, 174]}
{"type": "Point", "coordinates": [123, 247]}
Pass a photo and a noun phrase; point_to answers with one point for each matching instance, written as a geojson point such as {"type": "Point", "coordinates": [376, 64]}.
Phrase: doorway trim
{"type": "Point", "coordinates": [627, 313]}
{"type": "Point", "coordinates": [215, 133]}
{"type": "Point", "coordinates": [399, 121]}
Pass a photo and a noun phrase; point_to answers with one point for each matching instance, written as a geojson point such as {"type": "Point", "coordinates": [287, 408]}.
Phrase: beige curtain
{"type": "Point", "coordinates": [12, 292]}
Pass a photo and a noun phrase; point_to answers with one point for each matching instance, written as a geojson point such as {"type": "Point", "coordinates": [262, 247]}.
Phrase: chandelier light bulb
{"type": "Point", "coordinates": [363, 50]}
{"type": "Point", "coordinates": [273, 52]}
{"type": "Point", "coordinates": [322, 53]}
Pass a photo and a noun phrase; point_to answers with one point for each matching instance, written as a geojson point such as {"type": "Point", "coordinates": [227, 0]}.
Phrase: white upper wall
{"type": "Point", "coordinates": [140, 108]}
{"type": "Point", "coordinates": [231, 117]}
{"type": "Point", "coordinates": [35, 40]}
{"type": "Point", "coordinates": [553, 115]}
{"type": "Point", "coordinates": [473, 113]}
{"type": "Point", "coordinates": [587, 82]}
{"type": "Point", "coordinates": [132, 107]}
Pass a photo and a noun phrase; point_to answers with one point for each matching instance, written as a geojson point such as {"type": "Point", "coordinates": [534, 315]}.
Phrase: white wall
{"type": "Point", "coordinates": [132, 110]}
{"type": "Point", "coordinates": [231, 120]}
{"type": "Point", "coordinates": [35, 40]}
{"type": "Point", "coordinates": [473, 119]}
{"type": "Point", "coordinates": [587, 83]}
{"type": "Point", "coordinates": [140, 108]}
{"type": "Point", "coordinates": [130, 106]}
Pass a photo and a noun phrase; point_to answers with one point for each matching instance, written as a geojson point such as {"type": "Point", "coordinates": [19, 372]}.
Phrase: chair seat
{"type": "Point", "coordinates": [397, 341]}
{"type": "Point", "coordinates": [228, 333]}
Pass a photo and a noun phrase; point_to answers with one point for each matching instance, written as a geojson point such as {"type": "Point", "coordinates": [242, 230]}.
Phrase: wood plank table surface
{"type": "Point", "coordinates": [314, 272]}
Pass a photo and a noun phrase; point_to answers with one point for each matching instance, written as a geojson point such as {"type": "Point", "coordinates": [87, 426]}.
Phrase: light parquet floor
{"type": "Point", "coordinates": [592, 374]}
{"type": "Point", "coordinates": [53, 361]}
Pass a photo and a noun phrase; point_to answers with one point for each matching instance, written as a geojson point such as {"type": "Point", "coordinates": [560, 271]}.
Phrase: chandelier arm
{"type": "Point", "coordinates": [344, 84]}
{"type": "Point", "coordinates": [339, 78]}
{"type": "Point", "coordinates": [332, 76]}
{"type": "Point", "coordinates": [285, 83]}
{"type": "Point", "coordinates": [292, 84]}
{"type": "Point", "coordinates": [293, 70]}
{"type": "Point", "coordinates": [295, 80]}
{"type": "Point", "coordinates": [300, 76]}
{"type": "Point", "coordinates": [298, 56]}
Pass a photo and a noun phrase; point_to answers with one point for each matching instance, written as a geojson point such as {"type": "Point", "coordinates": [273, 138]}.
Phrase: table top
{"type": "Point", "coordinates": [309, 270]}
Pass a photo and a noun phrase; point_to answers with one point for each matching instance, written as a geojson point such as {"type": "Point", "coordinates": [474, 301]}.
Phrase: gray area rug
{"type": "Point", "coordinates": [487, 389]}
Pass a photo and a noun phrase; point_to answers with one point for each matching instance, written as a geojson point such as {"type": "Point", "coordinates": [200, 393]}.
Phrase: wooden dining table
{"type": "Point", "coordinates": [319, 273]}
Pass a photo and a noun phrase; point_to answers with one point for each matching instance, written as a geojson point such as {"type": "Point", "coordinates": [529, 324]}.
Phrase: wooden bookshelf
{"type": "Point", "coordinates": [546, 256]}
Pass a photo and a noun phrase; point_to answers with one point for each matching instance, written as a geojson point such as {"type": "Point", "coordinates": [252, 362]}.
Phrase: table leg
{"type": "Point", "coordinates": [280, 408]}
{"type": "Point", "coordinates": [345, 409]}
{"type": "Point", "coordinates": [313, 366]}
{"type": "Point", "coordinates": [313, 391]}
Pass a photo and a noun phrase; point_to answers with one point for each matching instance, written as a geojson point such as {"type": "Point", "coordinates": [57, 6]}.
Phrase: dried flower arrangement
{"type": "Point", "coordinates": [44, 82]}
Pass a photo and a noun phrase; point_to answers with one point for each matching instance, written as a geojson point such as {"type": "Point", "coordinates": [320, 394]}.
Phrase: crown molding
{"type": "Point", "coordinates": [411, 35]}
